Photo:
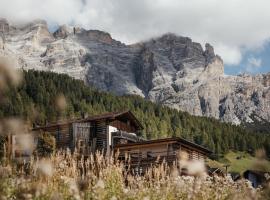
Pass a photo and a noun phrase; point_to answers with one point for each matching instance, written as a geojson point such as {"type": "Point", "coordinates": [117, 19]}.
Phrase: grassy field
{"type": "Point", "coordinates": [240, 162]}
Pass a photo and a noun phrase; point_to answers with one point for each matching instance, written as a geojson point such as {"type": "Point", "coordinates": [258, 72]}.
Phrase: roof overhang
{"type": "Point", "coordinates": [107, 116]}
{"type": "Point", "coordinates": [164, 141]}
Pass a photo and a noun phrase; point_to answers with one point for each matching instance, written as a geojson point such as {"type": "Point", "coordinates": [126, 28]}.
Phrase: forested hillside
{"type": "Point", "coordinates": [34, 101]}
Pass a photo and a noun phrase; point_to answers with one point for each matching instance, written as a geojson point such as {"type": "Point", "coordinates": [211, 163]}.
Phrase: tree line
{"type": "Point", "coordinates": [34, 101]}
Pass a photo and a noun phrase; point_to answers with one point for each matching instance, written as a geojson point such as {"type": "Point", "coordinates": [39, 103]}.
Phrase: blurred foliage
{"type": "Point", "coordinates": [34, 101]}
{"type": "Point", "coordinates": [46, 144]}
{"type": "Point", "coordinates": [67, 176]}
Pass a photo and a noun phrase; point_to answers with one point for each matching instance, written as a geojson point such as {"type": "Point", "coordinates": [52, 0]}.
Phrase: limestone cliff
{"type": "Point", "coordinates": [171, 70]}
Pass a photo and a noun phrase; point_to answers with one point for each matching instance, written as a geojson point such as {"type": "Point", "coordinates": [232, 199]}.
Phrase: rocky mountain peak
{"type": "Point", "coordinates": [4, 29]}
{"type": "Point", "coordinates": [38, 22]}
{"type": "Point", "coordinates": [63, 32]}
{"type": "Point", "coordinates": [2, 47]}
{"type": "Point", "coordinates": [171, 70]}
{"type": "Point", "coordinates": [170, 38]}
{"type": "Point", "coordinates": [37, 31]}
{"type": "Point", "coordinates": [34, 26]}
{"type": "Point", "coordinates": [4, 25]}
{"type": "Point", "coordinates": [96, 35]}
{"type": "Point", "coordinates": [209, 53]}
{"type": "Point", "coordinates": [266, 80]}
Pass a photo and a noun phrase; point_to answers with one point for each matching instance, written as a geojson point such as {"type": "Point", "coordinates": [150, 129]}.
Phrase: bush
{"type": "Point", "coordinates": [46, 144]}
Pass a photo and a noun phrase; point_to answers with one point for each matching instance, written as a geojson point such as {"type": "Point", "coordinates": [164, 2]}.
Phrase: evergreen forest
{"type": "Point", "coordinates": [34, 101]}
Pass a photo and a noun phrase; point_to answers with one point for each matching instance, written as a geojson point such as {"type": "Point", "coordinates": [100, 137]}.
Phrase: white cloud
{"type": "Point", "coordinates": [232, 26]}
{"type": "Point", "coordinates": [230, 54]}
{"type": "Point", "coordinates": [253, 64]}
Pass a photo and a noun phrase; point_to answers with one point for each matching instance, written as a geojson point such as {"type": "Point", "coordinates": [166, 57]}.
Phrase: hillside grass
{"type": "Point", "coordinates": [239, 162]}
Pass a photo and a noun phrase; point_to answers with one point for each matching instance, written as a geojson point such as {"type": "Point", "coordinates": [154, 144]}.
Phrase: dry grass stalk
{"type": "Point", "coordinates": [68, 176]}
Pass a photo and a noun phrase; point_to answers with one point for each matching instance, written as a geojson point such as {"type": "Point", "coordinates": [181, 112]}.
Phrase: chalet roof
{"type": "Point", "coordinates": [165, 140]}
{"type": "Point", "coordinates": [108, 116]}
{"type": "Point", "coordinates": [113, 115]}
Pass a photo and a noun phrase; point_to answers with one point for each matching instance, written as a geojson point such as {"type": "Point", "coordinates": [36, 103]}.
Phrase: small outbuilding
{"type": "Point", "coordinates": [257, 178]}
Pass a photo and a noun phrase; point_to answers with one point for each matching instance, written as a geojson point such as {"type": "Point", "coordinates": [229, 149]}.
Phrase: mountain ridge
{"type": "Point", "coordinates": [170, 69]}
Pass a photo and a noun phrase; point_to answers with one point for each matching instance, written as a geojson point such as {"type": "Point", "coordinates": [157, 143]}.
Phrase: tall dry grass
{"type": "Point", "coordinates": [68, 176]}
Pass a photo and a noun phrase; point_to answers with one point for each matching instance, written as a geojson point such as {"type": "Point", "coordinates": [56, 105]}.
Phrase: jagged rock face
{"type": "Point", "coordinates": [171, 64]}
{"type": "Point", "coordinates": [63, 32]}
{"type": "Point", "coordinates": [2, 46]}
{"type": "Point", "coordinates": [4, 25]}
{"type": "Point", "coordinates": [4, 29]}
{"type": "Point", "coordinates": [171, 70]}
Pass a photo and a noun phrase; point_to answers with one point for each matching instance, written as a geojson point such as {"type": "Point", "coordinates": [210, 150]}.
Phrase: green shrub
{"type": "Point", "coordinates": [46, 144]}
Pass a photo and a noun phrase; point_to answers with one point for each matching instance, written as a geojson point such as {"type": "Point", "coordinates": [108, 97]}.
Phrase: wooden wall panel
{"type": "Point", "coordinates": [123, 126]}
{"type": "Point", "coordinates": [101, 133]}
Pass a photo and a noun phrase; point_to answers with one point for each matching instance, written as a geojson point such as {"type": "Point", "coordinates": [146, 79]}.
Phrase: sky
{"type": "Point", "coordinates": [239, 30]}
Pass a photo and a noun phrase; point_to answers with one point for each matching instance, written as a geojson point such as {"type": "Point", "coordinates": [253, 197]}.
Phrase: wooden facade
{"type": "Point", "coordinates": [146, 153]}
{"type": "Point", "coordinates": [94, 133]}
{"type": "Point", "coordinates": [118, 131]}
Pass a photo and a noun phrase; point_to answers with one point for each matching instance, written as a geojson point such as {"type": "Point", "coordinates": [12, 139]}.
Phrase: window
{"type": "Point", "coordinates": [149, 154]}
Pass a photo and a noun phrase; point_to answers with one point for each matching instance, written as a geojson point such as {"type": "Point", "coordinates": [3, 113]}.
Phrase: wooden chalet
{"type": "Point", "coordinates": [146, 153]}
{"type": "Point", "coordinates": [118, 131]}
{"type": "Point", "coordinates": [100, 132]}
